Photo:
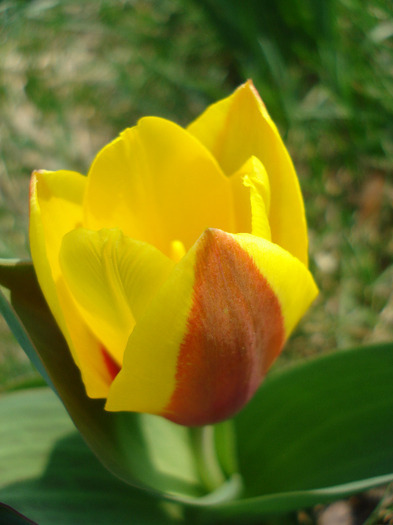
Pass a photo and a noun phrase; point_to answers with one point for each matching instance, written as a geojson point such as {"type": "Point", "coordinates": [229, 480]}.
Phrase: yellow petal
{"type": "Point", "coordinates": [55, 209]}
{"type": "Point", "coordinates": [290, 279]}
{"type": "Point", "coordinates": [240, 127]}
{"type": "Point", "coordinates": [210, 334]}
{"type": "Point", "coordinates": [112, 279]}
{"type": "Point", "coordinates": [158, 184]}
{"type": "Point", "coordinates": [244, 307]}
{"type": "Point", "coordinates": [147, 378]}
{"type": "Point", "coordinates": [251, 195]}
{"type": "Point", "coordinates": [96, 365]}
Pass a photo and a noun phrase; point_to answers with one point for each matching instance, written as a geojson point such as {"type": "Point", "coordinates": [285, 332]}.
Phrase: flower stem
{"type": "Point", "coordinates": [209, 467]}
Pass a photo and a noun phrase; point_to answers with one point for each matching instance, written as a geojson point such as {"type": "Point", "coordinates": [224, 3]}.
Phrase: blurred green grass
{"type": "Point", "coordinates": [72, 75]}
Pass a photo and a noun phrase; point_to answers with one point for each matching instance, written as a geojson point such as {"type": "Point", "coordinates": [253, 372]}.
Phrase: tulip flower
{"type": "Point", "coordinates": [177, 269]}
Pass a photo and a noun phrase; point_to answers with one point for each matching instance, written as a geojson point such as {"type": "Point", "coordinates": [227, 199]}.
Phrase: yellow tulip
{"type": "Point", "coordinates": [177, 268]}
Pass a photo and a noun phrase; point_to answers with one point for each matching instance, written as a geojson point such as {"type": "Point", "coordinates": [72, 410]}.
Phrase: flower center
{"type": "Point", "coordinates": [178, 250]}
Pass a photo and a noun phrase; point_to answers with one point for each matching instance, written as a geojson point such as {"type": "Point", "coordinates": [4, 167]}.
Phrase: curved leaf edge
{"type": "Point", "coordinates": [21, 335]}
{"type": "Point", "coordinates": [285, 502]}
{"type": "Point", "coordinates": [11, 516]}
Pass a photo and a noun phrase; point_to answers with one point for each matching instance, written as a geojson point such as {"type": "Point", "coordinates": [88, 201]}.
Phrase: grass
{"type": "Point", "coordinates": [72, 75]}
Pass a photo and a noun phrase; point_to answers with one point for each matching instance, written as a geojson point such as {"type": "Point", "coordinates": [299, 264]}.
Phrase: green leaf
{"type": "Point", "coordinates": [143, 450]}
{"type": "Point", "coordinates": [14, 276]}
{"type": "Point", "coordinates": [316, 432]}
{"type": "Point", "coordinates": [10, 516]}
{"type": "Point", "coordinates": [50, 475]}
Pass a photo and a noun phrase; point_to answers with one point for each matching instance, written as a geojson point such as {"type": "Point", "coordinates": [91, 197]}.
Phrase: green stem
{"type": "Point", "coordinates": [225, 440]}
{"type": "Point", "coordinates": [209, 467]}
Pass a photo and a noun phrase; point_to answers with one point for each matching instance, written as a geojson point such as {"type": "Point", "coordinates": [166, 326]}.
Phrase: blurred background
{"type": "Point", "coordinates": [74, 74]}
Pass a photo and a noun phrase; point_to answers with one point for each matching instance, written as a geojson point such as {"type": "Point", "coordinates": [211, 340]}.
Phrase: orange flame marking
{"type": "Point", "coordinates": [235, 332]}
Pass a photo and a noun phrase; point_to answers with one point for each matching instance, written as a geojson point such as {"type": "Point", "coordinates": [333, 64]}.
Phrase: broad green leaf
{"type": "Point", "coordinates": [10, 516]}
{"type": "Point", "coordinates": [50, 475]}
{"type": "Point", "coordinates": [143, 450]}
{"type": "Point", "coordinates": [316, 432]}
{"type": "Point", "coordinates": [332, 422]}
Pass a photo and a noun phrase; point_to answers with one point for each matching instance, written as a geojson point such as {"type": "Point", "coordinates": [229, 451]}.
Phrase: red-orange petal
{"type": "Point", "coordinates": [235, 331]}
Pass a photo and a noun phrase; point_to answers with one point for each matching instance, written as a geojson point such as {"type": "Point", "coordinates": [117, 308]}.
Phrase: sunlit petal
{"type": "Point", "coordinates": [157, 183]}
{"type": "Point", "coordinates": [112, 279]}
{"type": "Point", "coordinates": [239, 127]}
